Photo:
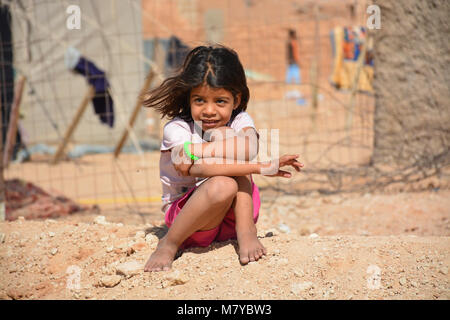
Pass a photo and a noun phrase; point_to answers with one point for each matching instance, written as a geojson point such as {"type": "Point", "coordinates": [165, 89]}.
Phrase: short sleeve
{"type": "Point", "coordinates": [175, 132]}
{"type": "Point", "coordinates": [242, 120]}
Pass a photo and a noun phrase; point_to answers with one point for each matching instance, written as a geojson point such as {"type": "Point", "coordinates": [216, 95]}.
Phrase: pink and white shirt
{"type": "Point", "coordinates": [176, 132]}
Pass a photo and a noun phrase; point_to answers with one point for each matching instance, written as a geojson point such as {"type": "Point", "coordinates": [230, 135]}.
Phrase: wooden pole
{"type": "Point", "coordinates": [13, 119]}
{"type": "Point", "coordinates": [84, 103]}
{"type": "Point", "coordinates": [315, 67]}
{"type": "Point", "coordinates": [2, 180]}
{"type": "Point", "coordinates": [135, 113]}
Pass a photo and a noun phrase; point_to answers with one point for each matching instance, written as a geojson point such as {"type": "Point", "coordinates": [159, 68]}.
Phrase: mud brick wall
{"type": "Point", "coordinates": [412, 80]}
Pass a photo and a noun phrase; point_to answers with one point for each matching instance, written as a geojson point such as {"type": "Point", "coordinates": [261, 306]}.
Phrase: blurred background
{"type": "Point", "coordinates": [366, 106]}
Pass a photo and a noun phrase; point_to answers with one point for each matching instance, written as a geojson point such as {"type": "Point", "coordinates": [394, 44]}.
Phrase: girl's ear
{"type": "Point", "coordinates": [237, 101]}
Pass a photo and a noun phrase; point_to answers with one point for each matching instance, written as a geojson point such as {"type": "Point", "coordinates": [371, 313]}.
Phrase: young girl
{"type": "Point", "coordinates": [206, 162]}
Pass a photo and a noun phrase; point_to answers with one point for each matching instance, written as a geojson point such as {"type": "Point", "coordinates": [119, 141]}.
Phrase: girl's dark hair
{"type": "Point", "coordinates": [215, 66]}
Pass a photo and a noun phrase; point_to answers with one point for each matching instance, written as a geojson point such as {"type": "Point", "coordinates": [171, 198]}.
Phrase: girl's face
{"type": "Point", "coordinates": [212, 106]}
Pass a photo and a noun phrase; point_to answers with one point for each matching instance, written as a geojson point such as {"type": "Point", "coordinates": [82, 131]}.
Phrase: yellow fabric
{"type": "Point", "coordinates": [344, 71]}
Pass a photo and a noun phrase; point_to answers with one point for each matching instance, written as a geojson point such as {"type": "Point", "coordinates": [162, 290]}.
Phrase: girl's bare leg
{"type": "Point", "coordinates": [250, 248]}
{"type": "Point", "coordinates": [204, 210]}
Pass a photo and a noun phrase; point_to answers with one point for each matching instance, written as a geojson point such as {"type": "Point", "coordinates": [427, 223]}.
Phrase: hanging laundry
{"type": "Point", "coordinates": [347, 44]}
{"type": "Point", "coordinates": [102, 100]}
{"type": "Point", "coordinates": [177, 51]}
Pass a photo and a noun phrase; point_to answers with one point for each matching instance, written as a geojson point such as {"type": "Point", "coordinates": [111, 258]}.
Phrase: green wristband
{"type": "Point", "coordinates": [186, 149]}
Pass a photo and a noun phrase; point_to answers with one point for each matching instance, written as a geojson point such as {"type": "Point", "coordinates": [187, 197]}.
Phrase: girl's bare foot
{"type": "Point", "coordinates": [250, 248]}
{"type": "Point", "coordinates": [162, 258]}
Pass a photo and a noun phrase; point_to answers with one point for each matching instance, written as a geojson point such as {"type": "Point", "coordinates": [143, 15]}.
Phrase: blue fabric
{"type": "Point", "coordinates": [102, 101]}
{"type": "Point", "coordinates": [293, 72]}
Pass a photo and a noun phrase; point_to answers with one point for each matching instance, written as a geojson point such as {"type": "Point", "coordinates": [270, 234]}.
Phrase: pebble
{"type": "Point", "coordinates": [284, 228]}
{"type": "Point", "coordinates": [129, 269]}
{"type": "Point", "coordinates": [402, 281]}
{"type": "Point", "coordinates": [100, 220]}
{"type": "Point", "coordinates": [299, 287]}
{"type": "Point", "coordinates": [51, 234]}
{"type": "Point", "coordinates": [313, 235]}
{"type": "Point", "coordinates": [140, 234]}
{"type": "Point", "coordinates": [109, 249]}
{"type": "Point", "coordinates": [110, 281]}
{"type": "Point", "coordinates": [443, 270]}
{"type": "Point", "coordinates": [151, 238]}
{"type": "Point", "coordinates": [175, 278]}
{"type": "Point", "coordinates": [54, 251]}
{"type": "Point", "coordinates": [2, 237]}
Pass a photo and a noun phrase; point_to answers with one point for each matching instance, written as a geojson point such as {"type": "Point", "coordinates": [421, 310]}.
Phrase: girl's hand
{"type": "Point", "coordinates": [273, 170]}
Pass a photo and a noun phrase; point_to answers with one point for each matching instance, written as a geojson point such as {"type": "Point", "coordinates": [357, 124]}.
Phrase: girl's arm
{"type": "Point", "coordinates": [217, 167]}
{"type": "Point", "coordinates": [226, 144]}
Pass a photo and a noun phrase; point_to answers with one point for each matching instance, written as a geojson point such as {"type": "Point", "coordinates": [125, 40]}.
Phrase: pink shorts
{"type": "Point", "coordinates": [226, 230]}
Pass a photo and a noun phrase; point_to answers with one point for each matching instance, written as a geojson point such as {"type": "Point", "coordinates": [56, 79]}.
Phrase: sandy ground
{"type": "Point", "coordinates": [372, 246]}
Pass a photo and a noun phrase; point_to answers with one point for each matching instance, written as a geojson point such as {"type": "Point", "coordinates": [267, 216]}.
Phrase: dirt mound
{"type": "Point", "coordinates": [307, 259]}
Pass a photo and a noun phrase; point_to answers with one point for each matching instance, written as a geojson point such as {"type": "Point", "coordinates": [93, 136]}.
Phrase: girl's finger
{"type": "Point", "coordinates": [284, 174]}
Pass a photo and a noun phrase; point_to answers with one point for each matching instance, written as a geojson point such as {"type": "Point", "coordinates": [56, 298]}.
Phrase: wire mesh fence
{"type": "Point", "coordinates": [63, 144]}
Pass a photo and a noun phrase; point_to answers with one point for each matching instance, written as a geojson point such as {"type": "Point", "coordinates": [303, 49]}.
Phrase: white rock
{"type": "Point", "coordinates": [443, 270]}
{"type": "Point", "coordinates": [175, 278]}
{"type": "Point", "coordinates": [284, 228]}
{"type": "Point", "coordinates": [110, 281]}
{"type": "Point", "coordinates": [140, 234]}
{"type": "Point", "coordinates": [109, 249]}
{"type": "Point", "coordinates": [51, 234]}
{"type": "Point", "coordinates": [151, 238]}
{"type": "Point", "coordinates": [2, 237]}
{"type": "Point", "coordinates": [297, 288]}
{"type": "Point", "coordinates": [129, 269]}
{"type": "Point", "coordinates": [313, 235]}
{"type": "Point", "coordinates": [100, 220]}
{"type": "Point", "coordinates": [54, 251]}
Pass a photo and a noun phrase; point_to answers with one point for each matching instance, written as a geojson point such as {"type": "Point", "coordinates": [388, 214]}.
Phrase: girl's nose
{"type": "Point", "coordinates": [209, 109]}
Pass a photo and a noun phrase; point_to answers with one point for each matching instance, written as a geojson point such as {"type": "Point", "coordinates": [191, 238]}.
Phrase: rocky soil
{"type": "Point", "coordinates": [373, 246]}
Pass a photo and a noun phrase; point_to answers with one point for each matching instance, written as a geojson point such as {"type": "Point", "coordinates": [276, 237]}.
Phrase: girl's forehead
{"type": "Point", "coordinates": [205, 90]}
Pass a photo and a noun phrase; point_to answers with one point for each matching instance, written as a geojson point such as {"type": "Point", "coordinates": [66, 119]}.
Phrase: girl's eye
{"type": "Point", "coordinates": [220, 101]}
{"type": "Point", "coordinates": [198, 100]}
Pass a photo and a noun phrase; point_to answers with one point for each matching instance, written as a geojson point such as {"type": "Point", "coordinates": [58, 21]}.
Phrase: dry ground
{"type": "Point", "coordinates": [373, 246]}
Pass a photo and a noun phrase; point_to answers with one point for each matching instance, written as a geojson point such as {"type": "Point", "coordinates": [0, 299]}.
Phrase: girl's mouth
{"type": "Point", "coordinates": [210, 123]}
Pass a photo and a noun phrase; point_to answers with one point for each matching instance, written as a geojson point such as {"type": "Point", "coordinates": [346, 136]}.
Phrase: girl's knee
{"type": "Point", "coordinates": [221, 189]}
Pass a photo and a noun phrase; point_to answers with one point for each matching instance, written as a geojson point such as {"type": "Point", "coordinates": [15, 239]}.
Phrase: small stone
{"type": "Point", "coordinates": [110, 281]}
{"type": "Point", "coordinates": [284, 228]}
{"type": "Point", "coordinates": [54, 251]}
{"type": "Point", "coordinates": [176, 278]}
{"type": "Point", "coordinates": [129, 269]}
{"type": "Point", "coordinates": [100, 220]}
{"type": "Point", "coordinates": [443, 270]}
{"type": "Point", "coordinates": [402, 281]}
{"type": "Point", "coordinates": [414, 284]}
{"type": "Point", "coordinates": [299, 287]}
{"type": "Point", "coordinates": [104, 239]}
{"type": "Point", "coordinates": [151, 238]}
{"type": "Point", "coordinates": [2, 237]}
{"type": "Point", "coordinates": [140, 234]}
{"type": "Point", "coordinates": [109, 249]}
{"type": "Point", "coordinates": [313, 235]}
{"type": "Point", "coordinates": [51, 234]}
